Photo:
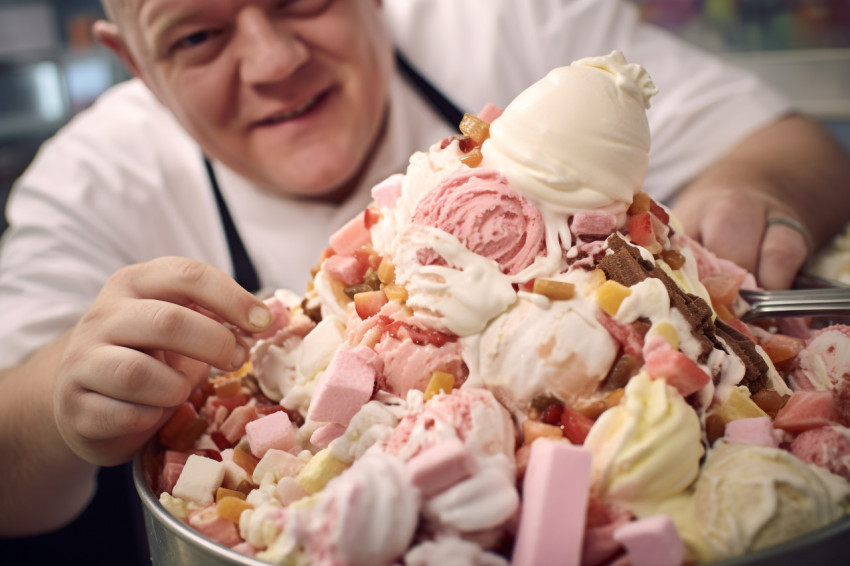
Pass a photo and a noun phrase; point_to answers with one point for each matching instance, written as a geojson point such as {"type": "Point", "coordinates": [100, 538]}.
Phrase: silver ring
{"type": "Point", "coordinates": [789, 223]}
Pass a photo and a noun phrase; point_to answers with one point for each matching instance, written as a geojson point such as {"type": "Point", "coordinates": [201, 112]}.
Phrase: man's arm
{"type": "Point", "coordinates": [43, 484]}
{"type": "Point", "coordinates": [98, 393]}
{"type": "Point", "coordinates": [792, 169]}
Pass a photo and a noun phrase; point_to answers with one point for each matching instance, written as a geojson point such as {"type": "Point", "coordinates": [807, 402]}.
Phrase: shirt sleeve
{"type": "Point", "coordinates": [118, 185]}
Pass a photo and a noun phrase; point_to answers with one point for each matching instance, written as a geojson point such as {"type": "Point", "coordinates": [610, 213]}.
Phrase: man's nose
{"type": "Point", "coordinates": [269, 50]}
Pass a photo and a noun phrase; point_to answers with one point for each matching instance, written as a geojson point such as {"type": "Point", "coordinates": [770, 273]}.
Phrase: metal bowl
{"type": "Point", "coordinates": [173, 543]}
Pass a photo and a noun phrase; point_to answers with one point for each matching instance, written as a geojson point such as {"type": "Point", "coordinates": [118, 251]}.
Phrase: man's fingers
{"type": "Point", "coordinates": [731, 233]}
{"type": "Point", "coordinates": [784, 250]}
{"type": "Point", "coordinates": [188, 282]}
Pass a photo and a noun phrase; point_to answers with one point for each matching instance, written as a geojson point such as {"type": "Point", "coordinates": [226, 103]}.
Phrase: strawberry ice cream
{"type": "Point", "coordinates": [491, 219]}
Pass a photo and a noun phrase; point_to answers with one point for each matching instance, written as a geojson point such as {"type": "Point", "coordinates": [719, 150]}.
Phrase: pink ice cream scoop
{"type": "Point", "coordinates": [487, 215]}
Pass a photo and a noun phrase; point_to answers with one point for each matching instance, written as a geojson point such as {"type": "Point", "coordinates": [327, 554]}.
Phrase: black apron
{"type": "Point", "coordinates": [110, 532]}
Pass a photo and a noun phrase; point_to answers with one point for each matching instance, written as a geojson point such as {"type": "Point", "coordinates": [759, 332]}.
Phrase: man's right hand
{"type": "Point", "coordinates": [146, 342]}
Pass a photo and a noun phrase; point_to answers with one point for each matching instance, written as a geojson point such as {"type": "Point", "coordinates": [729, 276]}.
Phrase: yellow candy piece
{"type": "Point", "coordinates": [322, 468]}
{"type": "Point", "coordinates": [440, 381]}
{"type": "Point", "coordinates": [610, 294]}
{"type": "Point", "coordinates": [395, 292]}
{"type": "Point", "coordinates": [386, 272]}
{"type": "Point", "coordinates": [532, 430]}
{"type": "Point", "coordinates": [739, 405]}
{"type": "Point", "coordinates": [666, 330]}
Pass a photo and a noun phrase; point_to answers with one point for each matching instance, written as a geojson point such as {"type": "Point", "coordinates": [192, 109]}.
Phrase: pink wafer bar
{"type": "Point", "coordinates": [757, 430]}
{"type": "Point", "coordinates": [652, 541]}
{"type": "Point", "coordinates": [271, 431]}
{"type": "Point", "coordinates": [441, 466]}
{"type": "Point", "coordinates": [554, 507]}
{"type": "Point", "coordinates": [352, 236]}
{"type": "Point", "coordinates": [346, 385]}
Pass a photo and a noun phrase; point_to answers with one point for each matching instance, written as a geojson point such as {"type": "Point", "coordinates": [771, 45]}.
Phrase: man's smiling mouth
{"type": "Point", "coordinates": [294, 113]}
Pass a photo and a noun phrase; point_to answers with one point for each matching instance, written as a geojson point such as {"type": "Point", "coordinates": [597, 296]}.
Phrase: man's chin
{"type": "Point", "coordinates": [324, 191]}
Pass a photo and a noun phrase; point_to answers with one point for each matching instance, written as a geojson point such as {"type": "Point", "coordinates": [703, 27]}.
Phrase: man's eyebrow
{"type": "Point", "coordinates": [161, 26]}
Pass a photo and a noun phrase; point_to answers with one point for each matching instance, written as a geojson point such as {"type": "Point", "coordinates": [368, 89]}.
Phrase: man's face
{"type": "Point", "coordinates": [291, 94]}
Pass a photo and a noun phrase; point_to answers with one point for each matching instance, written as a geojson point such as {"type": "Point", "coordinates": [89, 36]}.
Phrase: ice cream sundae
{"type": "Point", "coordinates": [515, 356]}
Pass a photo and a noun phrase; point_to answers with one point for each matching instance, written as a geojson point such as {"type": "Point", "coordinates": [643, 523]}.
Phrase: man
{"type": "Point", "coordinates": [299, 109]}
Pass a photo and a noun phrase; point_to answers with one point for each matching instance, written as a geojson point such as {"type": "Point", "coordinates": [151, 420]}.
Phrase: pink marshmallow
{"type": "Point", "coordinates": [386, 193]}
{"type": "Point", "coordinates": [652, 541]}
{"type": "Point", "coordinates": [352, 236]}
{"type": "Point", "coordinates": [271, 431]}
{"type": "Point", "coordinates": [280, 318]}
{"type": "Point", "coordinates": [554, 508]}
{"type": "Point", "coordinates": [441, 466]}
{"type": "Point", "coordinates": [757, 430]}
{"type": "Point", "coordinates": [345, 386]}
{"type": "Point", "coordinates": [345, 269]}
{"type": "Point", "coordinates": [326, 434]}
{"type": "Point", "coordinates": [593, 224]}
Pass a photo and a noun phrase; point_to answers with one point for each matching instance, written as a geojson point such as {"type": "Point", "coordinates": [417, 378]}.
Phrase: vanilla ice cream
{"type": "Point", "coordinates": [577, 139]}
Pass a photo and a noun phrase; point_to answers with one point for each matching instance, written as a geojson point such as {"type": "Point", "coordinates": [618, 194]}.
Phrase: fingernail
{"type": "Point", "coordinates": [260, 317]}
{"type": "Point", "coordinates": [239, 355]}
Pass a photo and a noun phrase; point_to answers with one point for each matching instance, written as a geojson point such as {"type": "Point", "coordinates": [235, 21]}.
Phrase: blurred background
{"type": "Point", "coordinates": [50, 68]}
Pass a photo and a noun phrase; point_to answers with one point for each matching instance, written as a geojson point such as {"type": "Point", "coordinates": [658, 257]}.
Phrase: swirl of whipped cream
{"type": "Point", "coordinates": [578, 139]}
{"type": "Point", "coordinates": [489, 216]}
{"type": "Point", "coordinates": [364, 517]}
{"type": "Point", "coordinates": [648, 447]}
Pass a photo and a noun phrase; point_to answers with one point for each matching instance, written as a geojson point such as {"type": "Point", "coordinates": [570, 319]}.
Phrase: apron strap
{"type": "Point", "coordinates": [449, 111]}
{"type": "Point", "coordinates": [243, 267]}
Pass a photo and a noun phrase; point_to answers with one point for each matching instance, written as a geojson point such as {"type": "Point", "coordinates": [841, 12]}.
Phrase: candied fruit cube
{"type": "Point", "coordinates": [610, 294]}
{"type": "Point", "coordinates": [395, 293]}
{"type": "Point", "coordinates": [532, 430]}
{"type": "Point", "coordinates": [474, 127]}
{"type": "Point", "coordinates": [473, 158]}
{"type": "Point", "coordinates": [223, 492]}
{"type": "Point", "coordinates": [368, 303]}
{"type": "Point", "coordinates": [440, 381]}
{"type": "Point", "coordinates": [245, 460]}
{"type": "Point", "coordinates": [386, 271]}
{"type": "Point", "coordinates": [554, 290]}
{"type": "Point", "coordinates": [231, 508]}
{"type": "Point", "coordinates": [640, 204]}
{"type": "Point", "coordinates": [227, 387]}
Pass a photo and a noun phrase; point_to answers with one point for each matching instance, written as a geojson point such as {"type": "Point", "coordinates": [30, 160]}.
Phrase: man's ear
{"type": "Point", "coordinates": [108, 35]}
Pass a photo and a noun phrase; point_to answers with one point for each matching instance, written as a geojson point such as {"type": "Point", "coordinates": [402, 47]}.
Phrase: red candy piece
{"type": "Point", "coordinates": [677, 370]}
{"type": "Point", "coordinates": [575, 426]}
{"type": "Point", "coordinates": [806, 410]}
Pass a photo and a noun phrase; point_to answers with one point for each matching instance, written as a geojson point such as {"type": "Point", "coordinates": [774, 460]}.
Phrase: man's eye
{"type": "Point", "coordinates": [194, 39]}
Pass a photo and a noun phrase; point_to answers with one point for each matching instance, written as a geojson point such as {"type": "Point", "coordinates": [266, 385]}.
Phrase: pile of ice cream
{"type": "Point", "coordinates": [514, 355]}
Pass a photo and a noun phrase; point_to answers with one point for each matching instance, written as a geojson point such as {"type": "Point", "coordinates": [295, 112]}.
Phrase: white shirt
{"type": "Point", "coordinates": [122, 183]}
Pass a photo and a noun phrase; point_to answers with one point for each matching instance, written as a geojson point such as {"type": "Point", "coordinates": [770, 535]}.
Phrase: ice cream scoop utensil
{"type": "Point", "coordinates": [796, 302]}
